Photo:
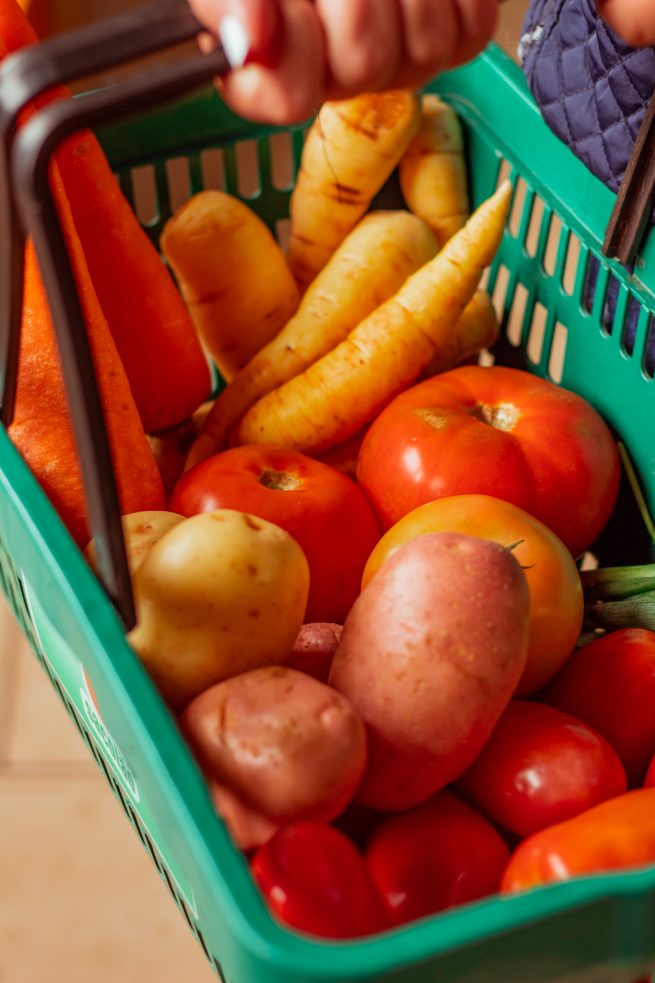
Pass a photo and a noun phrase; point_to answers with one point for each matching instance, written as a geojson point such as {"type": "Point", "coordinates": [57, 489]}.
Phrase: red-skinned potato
{"type": "Point", "coordinates": [430, 655]}
{"type": "Point", "coordinates": [314, 649]}
{"type": "Point", "coordinates": [282, 744]}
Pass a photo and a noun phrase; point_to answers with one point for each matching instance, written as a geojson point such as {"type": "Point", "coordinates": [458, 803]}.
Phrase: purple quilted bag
{"type": "Point", "coordinates": [592, 88]}
{"type": "Point", "coordinates": [593, 91]}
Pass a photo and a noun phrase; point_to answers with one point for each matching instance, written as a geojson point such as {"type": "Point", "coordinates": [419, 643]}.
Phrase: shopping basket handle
{"type": "Point", "coordinates": [30, 151]}
{"type": "Point", "coordinates": [26, 75]}
{"type": "Point", "coordinates": [634, 203]}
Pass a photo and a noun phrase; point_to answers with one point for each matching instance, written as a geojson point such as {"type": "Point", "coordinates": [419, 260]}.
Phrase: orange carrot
{"type": "Point", "coordinates": [41, 429]}
{"type": "Point", "coordinates": [151, 327]}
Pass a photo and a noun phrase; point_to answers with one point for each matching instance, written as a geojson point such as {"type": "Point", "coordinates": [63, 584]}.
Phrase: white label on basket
{"type": "Point", "coordinates": [109, 745]}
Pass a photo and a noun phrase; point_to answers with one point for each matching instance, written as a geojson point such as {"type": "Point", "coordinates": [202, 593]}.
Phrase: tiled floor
{"type": "Point", "coordinates": [79, 900]}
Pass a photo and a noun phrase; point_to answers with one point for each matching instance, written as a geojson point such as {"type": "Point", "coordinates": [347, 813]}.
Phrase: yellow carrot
{"type": "Point", "coordinates": [371, 264]}
{"type": "Point", "coordinates": [478, 319]}
{"type": "Point", "coordinates": [351, 149]}
{"type": "Point", "coordinates": [232, 274]}
{"type": "Point", "coordinates": [345, 389]}
{"type": "Point", "coordinates": [433, 172]}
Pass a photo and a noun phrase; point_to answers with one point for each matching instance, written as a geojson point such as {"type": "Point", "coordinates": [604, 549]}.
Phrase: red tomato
{"type": "Point", "coordinates": [610, 684]}
{"type": "Point", "coordinates": [494, 431]}
{"type": "Point", "coordinates": [649, 781]}
{"type": "Point", "coordinates": [441, 854]}
{"type": "Point", "coordinates": [615, 835]}
{"type": "Point", "coordinates": [324, 511]}
{"type": "Point", "coordinates": [540, 767]}
{"type": "Point", "coordinates": [314, 879]}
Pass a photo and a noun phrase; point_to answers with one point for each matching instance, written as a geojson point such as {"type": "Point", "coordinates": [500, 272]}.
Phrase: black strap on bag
{"type": "Point", "coordinates": [27, 209]}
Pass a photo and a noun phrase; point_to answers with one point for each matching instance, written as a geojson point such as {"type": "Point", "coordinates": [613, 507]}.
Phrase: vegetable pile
{"type": "Point", "coordinates": [356, 569]}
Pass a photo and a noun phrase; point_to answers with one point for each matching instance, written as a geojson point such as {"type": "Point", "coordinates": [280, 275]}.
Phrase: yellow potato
{"type": "Point", "coordinates": [223, 592]}
{"type": "Point", "coordinates": [141, 531]}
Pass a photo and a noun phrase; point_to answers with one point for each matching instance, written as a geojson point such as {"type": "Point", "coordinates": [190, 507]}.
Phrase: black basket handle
{"type": "Point", "coordinates": [25, 194]}
{"type": "Point", "coordinates": [634, 203]}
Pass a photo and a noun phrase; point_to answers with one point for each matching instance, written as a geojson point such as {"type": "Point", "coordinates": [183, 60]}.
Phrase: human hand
{"type": "Point", "coordinates": [633, 20]}
{"type": "Point", "coordinates": [297, 53]}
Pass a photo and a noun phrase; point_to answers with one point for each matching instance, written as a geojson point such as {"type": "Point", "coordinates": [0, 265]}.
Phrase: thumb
{"type": "Point", "coordinates": [249, 30]}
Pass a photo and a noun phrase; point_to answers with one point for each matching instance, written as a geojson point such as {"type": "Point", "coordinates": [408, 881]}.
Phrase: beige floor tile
{"type": "Point", "coordinates": [11, 643]}
{"type": "Point", "coordinates": [80, 901]}
{"type": "Point", "coordinates": [41, 734]}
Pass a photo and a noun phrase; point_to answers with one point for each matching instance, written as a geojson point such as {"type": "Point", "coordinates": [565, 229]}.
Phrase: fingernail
{"type": "Point", "coordinates": [235, 40]}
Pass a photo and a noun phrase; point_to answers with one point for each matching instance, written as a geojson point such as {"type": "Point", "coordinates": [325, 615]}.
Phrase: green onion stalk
{"type": "Point", "coordinates": [622, 597]}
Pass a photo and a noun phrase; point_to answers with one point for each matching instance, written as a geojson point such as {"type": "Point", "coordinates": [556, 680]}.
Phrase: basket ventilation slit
{"type": "Point", "coordinates": [630, 325]}
{"type": "Point", "coordinates": [558, 352]}
{"type": "Point", "coordinates": [516, 315]}
{"type": "Point", "coordinates": [571, 264]}
{"type": "Point", "coordinates": [247, 163]}
{"type": "Point", "coordinates": [145, 195]}
{"type": "Point", "coordinates": [282, 167]}
{"type": "Point", "coordinates": [213, 172]}
{"type": "Point", "coordinates": [504, 171]}
{"type": "Point", "coordinates": [179, 182]}
{"type": "Point", "coordinates": [552, 242]}
{"type": "Point", "coordinates": [518, 205]}
{"type": "Point", "coordinates": [537, 332]}
{"type": "Point", "coordinates": [500, 292]}
{"type": "Point", "coordinates": [536, 218]}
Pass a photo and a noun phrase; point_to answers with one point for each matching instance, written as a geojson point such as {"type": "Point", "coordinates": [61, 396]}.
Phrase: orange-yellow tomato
{"type": "Point", "coordinates": [556, 603]}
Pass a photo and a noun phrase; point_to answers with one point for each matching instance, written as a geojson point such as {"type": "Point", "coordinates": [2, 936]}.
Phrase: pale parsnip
{"type": "Point", "coordinates": [351, 149]}
{"type": "Point", "coordinates": [370, 265]}
{"type": "Point", "coordinates": [232, 274]}
{"type": "Point", "coordinates": [433, 171]}
{"type": "Point", "coordinates": [345, 389]}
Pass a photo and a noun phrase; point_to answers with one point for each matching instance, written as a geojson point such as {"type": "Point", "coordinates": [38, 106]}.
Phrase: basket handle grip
{"type": "Point", "coordinates": [27, 196]}
{"type": "Point", "coordinates": [634, 202]}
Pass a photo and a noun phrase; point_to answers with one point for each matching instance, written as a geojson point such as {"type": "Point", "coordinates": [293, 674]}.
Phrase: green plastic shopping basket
{"type": "Point", "coordinates": [595, 929]}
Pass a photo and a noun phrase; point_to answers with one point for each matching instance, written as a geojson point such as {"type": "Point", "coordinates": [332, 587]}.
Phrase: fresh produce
{"type": "Point", "coordinates": [500, 432]}
{"type": "Point", "coordinates": [539, 767]}
{"type": "Point", "coordinates": [478, 319]}
{"type": "Point", "coordinates": [232, 274]}
{"type": "Point", "coordinates": [367, 269]}
{"type": "Point", "coordinates": [151, 328]}
{"type": "Point", "coordinates": [649, 780]}
{"type": "Point", "coordinates": [323, 510]}
{"type": "Point", "coordinates": [620, 597]}
{"type": "Point", "coordinates": [310, 746]}
{"type": "Point", "coordinates": [430, 655]}
{"type": "Point", "coordinates": [433, 172]}
{"type": "Point", "coordinates": [315, 880]}
{"type": "Point", "coordinates": [314, 650]}
{"type": "Point", "coordinates": [219, 594]}
{"type": "Point", "coordinates": [41, 428]}
{"type": "Point", "coordinates": [141, 530]}
{"type": "Point", "coordinates": [610, 684]}
{"type": "Point", "coordinates": [349, 152]}
{"type": "Point", "coordinates": [616, 835]}
{"type": "Point", "coordinates": [387, 351]}
{"type": "Point", "coordinates": [440, 854]}
{"type": "Point", "coordinates": [552, 576]}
